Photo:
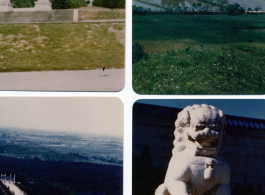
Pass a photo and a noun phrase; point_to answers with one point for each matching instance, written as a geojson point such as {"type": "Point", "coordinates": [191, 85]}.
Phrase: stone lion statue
{"type": "Point", "coordinates": [196, 168]}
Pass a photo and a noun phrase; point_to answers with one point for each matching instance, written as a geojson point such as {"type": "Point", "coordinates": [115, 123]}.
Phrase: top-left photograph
{"type": "Point", "coordinates": [62, 45]}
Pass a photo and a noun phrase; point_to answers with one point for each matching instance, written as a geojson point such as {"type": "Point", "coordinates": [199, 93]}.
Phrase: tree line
{"type": "Point", "coordinates": [38, 177]}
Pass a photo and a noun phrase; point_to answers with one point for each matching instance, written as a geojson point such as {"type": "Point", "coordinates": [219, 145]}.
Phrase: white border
{"type": "Point", "coordinates": [128, 97]}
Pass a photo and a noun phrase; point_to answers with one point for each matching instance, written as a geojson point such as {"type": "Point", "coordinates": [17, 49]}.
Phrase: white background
{"type": "Point", "coordinates": [128, 97]}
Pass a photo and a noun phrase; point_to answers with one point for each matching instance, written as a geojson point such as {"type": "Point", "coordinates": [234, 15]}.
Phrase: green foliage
{"type": "Point", "coordinates": [224, 55]}
{"type": "Point", "coordinates": [78, 3]}
{"type": "Point", "coordinates": [109, 3]}
{"type": "Point", "coordinates": [196, 70]}
{"type": "Point", "coordinates": [197, 9]}
{"type": "Point", "coordinates": [146, 178]}
{"type": "Point", "coordinates": [137, 52]}
{"type": "Point", "coordinates": [22, 3]}
{"type": "Point", "coordinates": [249, 9]}
{"type": "Point", "coordinates": [61, 4]}
{"type": "Point", "coordinates": [140, 10]}
{"type": "Point", "coordinates": [234, 9]}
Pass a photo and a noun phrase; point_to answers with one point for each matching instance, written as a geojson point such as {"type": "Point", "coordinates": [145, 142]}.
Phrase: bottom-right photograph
{"type": "Point", "coordinates": [198, 147]}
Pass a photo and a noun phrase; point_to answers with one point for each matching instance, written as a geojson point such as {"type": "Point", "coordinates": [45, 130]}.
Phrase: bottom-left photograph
{"type": "Point", "coordinates": [61, 145]}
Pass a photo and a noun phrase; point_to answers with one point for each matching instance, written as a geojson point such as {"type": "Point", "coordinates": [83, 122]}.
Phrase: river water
{"type": "Point", "coordinates": [188, 3]}
{"type": "Point", "coordinates": [14, 188]}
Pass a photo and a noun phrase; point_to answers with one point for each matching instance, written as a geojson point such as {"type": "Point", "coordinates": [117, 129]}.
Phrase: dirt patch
{"type": "Point", "coordinates": [40, 39]}
{"type": "Point", "coordinates": [120, 33]}
{"type": "Point", "coordinates": [21, 44]}
{"type": "Point", "coordinates": [13, 50]}
{"type": "Point", "coordinates": [10, 37]}
{"type": "Point", "coordinates": [37, 28]}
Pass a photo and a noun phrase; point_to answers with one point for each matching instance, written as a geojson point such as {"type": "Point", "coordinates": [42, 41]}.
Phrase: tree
{"type": "Point", "coordinates": [137, 52]}
{"type": "Point", "coordinates": [146, 177]}
{"type": "Point", "coordinates": [61, 4]}
{"type": "Point", "coordinates": [259, 190]}
{"type": "Point", "coordinates": [234, 9]}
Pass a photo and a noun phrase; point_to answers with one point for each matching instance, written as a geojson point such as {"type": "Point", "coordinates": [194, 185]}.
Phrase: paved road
{"type": "Point", "coordinates": [14, 188]}
{"type": "Point", "coordinates": [78, 80]}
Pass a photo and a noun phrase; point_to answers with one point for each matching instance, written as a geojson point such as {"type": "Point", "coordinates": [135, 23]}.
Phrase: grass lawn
{"type": "Point", "coordinates": [80, 46]}
{"type": "Point", "coordinates": [200, 54]}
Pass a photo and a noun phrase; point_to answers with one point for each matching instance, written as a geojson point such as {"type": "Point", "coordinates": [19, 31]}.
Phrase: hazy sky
{"type": "Point", "coordinates": [251, 108]}
{"type": "Point", "coordinates": [97, 115]}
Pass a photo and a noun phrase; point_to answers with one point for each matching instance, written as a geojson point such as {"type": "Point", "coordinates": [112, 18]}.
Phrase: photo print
{"type": "Point", "coordinates": [62, 45]}
{"type": "Point", "coordinates": [61, 145]}
{"type": "Point", "coordinates": [198, 147]}
{"type": "Point", "coordinates": [198, 47]}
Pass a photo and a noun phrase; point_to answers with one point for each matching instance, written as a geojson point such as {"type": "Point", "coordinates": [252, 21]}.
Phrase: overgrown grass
{"type": "Point", "coordinates": [95, 15]}
{"type": "Point", "coordinates": [200, 54]}
{"type": "Point", "coordinates": [82, 46]}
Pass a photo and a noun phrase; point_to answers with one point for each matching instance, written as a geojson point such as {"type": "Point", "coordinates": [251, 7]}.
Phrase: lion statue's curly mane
{"type": "Point", "coordinates": [192, 116]}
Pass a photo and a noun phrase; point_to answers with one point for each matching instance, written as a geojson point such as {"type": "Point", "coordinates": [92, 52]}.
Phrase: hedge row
{"type": "Point", "coordinates": [109, 3]}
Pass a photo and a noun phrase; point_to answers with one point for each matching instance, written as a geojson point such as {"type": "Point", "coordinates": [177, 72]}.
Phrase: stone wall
{"type": "Point", "coordinates": [55, 16]}
{"type": "Point", "coordinates": [244, 146]}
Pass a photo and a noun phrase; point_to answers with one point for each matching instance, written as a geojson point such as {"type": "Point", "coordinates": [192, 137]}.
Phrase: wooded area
{"type": "Point", "coordinates": [38, 177]}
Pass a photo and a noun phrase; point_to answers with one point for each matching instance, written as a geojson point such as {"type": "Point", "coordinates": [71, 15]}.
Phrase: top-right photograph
{"type": "Point", "coordinates": [190, 47]}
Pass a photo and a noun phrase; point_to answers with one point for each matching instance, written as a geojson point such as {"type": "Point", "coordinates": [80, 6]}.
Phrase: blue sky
{"type": "Point", "coordinates": [252, 108]}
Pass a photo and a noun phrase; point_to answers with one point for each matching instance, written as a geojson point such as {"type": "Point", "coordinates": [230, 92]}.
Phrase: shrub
{"type": "Point", "coordinates": [140, 10]}
{"type": "Point", "coordinates": [61, 4]}
{"type": "Point", "coordinates": [234, 9]}
{"type": "Point", "coordinates": [109, 3]}
{"type": "Point", "coordinates": [78, 3]}
{"type": "Point", "coordinates": [22, 3]}
{"type": "Point", "coordinates": [146, 177]}
{"type": "Point", "coordinates": [67, 4]}
{"type": "Point", "coordinates": [137, 52]}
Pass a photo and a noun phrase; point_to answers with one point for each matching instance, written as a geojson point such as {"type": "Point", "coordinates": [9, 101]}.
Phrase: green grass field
{"type": "Point", "coordinates": [80, 46]}
{"type": "Point", "coordinates": [200, 54]}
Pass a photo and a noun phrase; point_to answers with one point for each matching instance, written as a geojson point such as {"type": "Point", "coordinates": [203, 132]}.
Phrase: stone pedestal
{"type": "Point", "coordinates": [90, 3]}
{"type": "Point", "coordinates": [43, 5]}
{"type": "Point", "coordinates": [6, 6]}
